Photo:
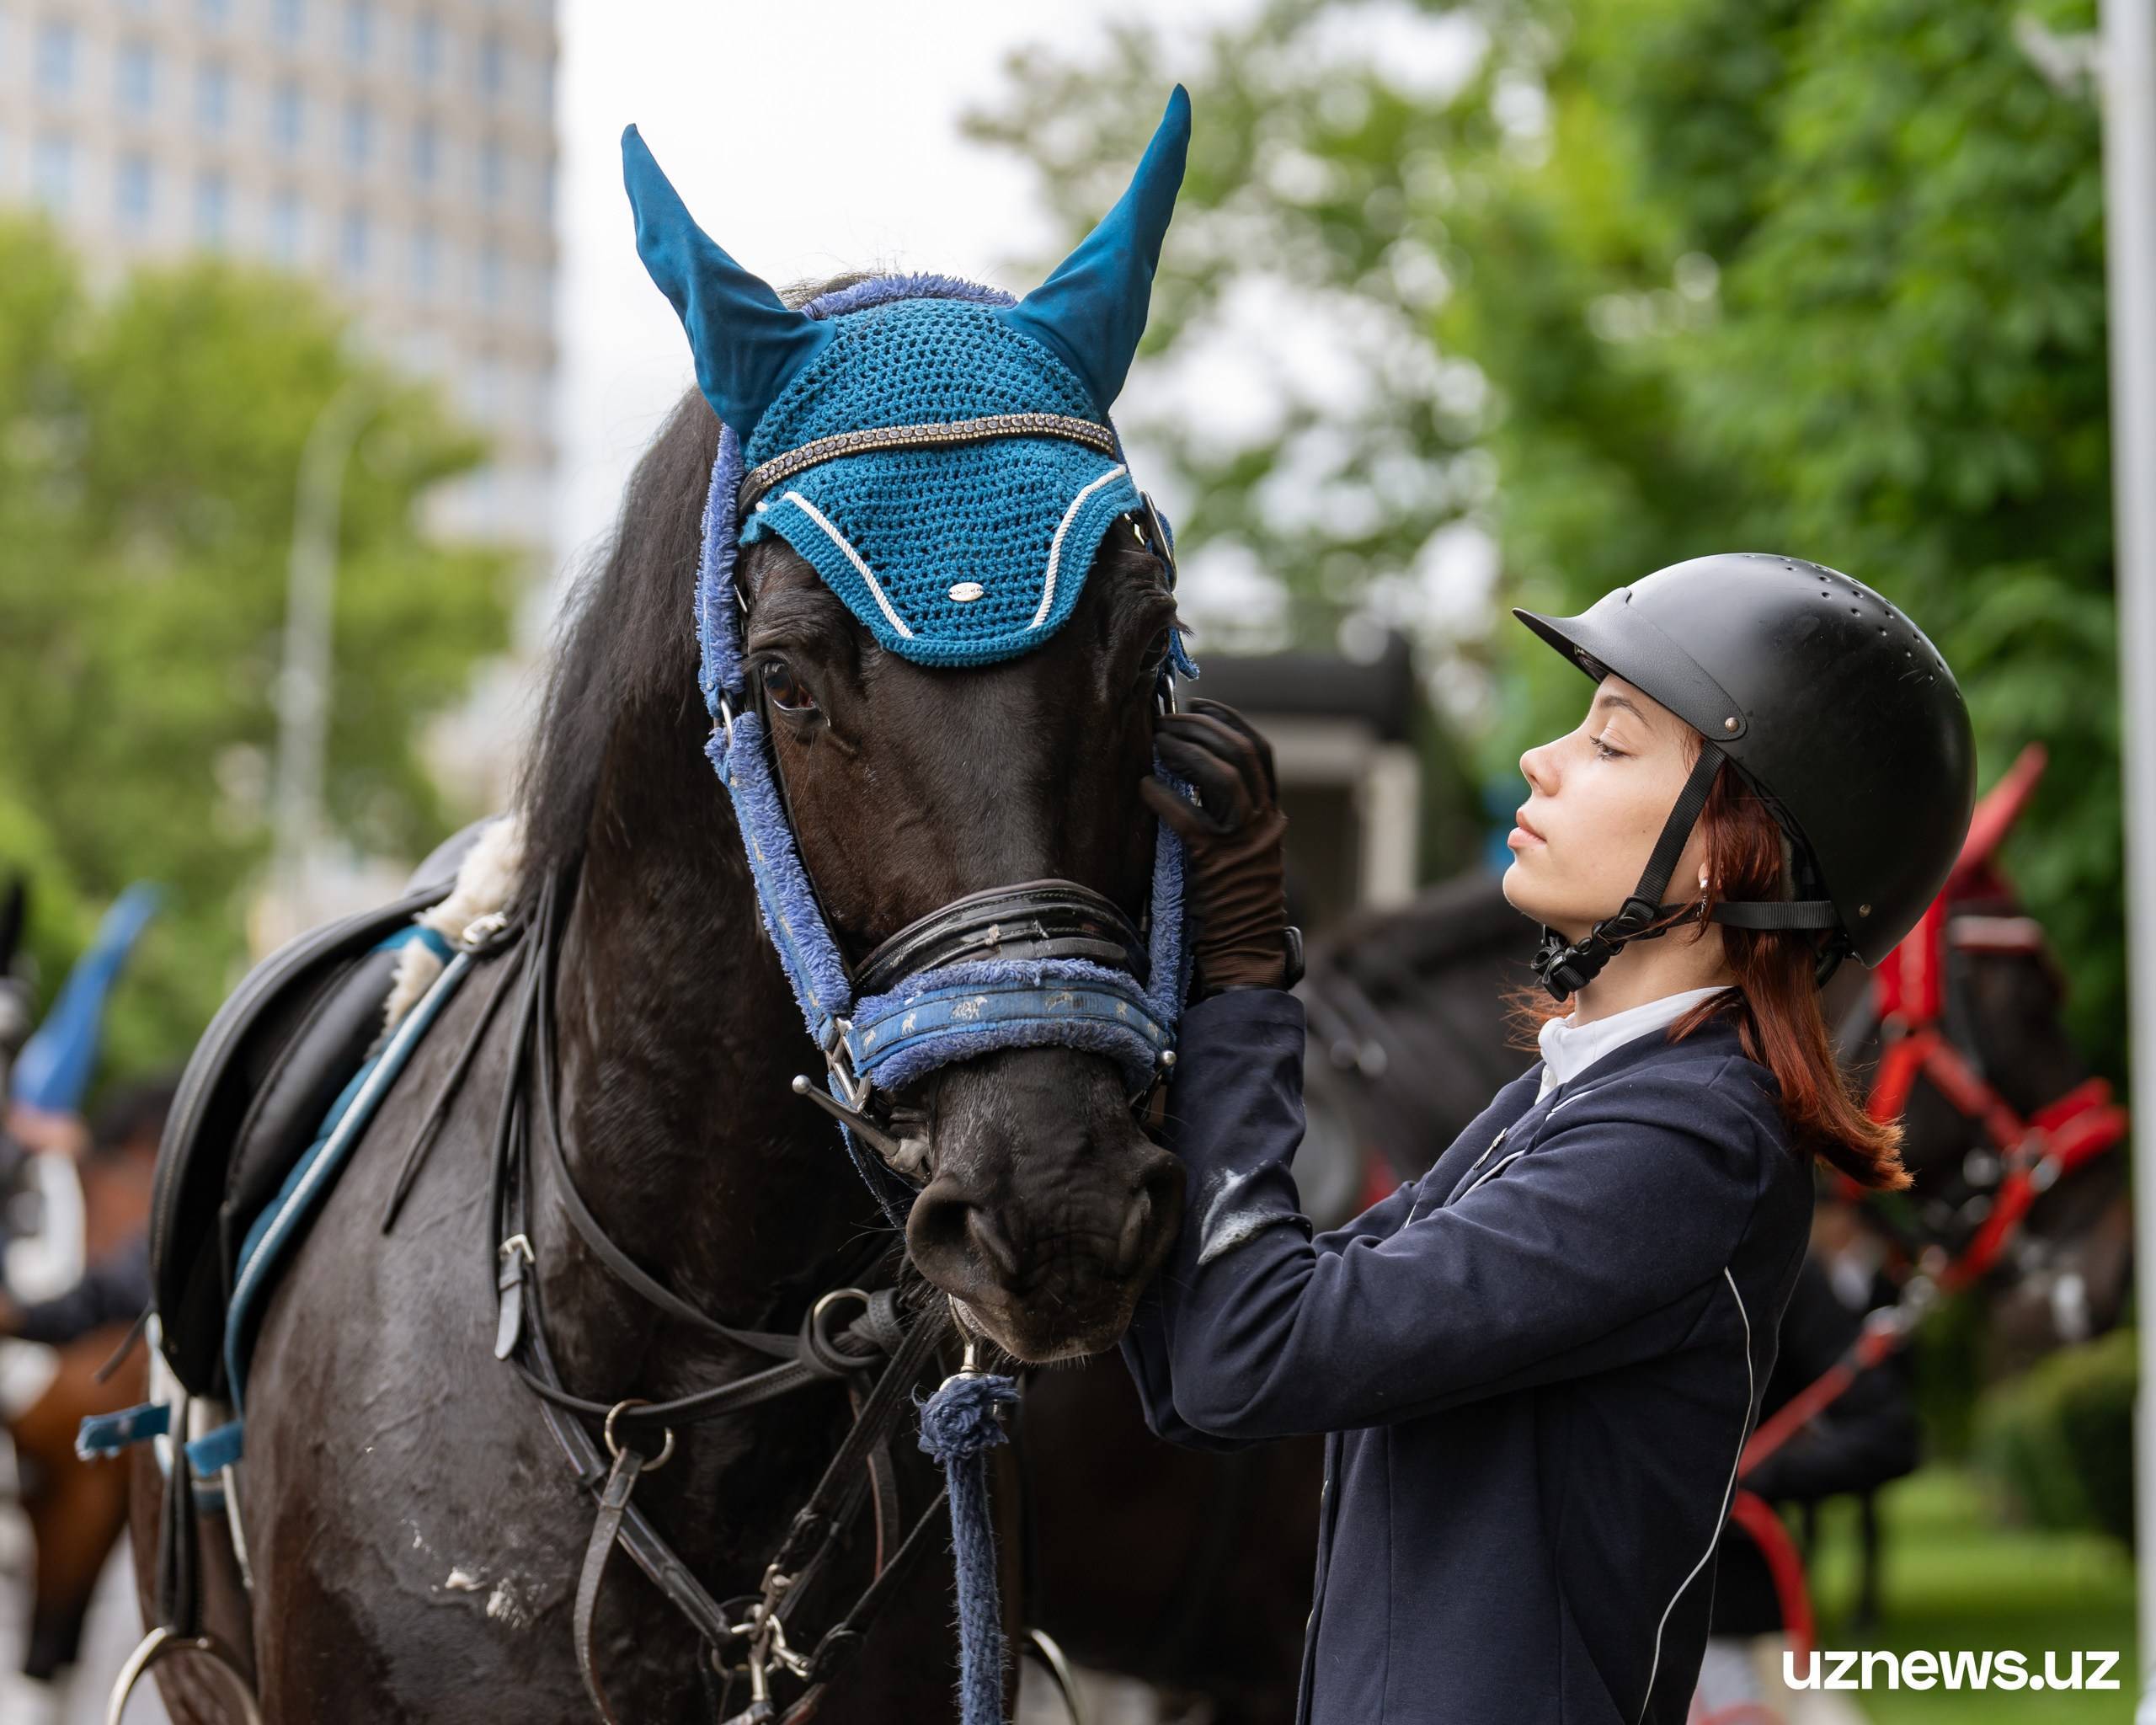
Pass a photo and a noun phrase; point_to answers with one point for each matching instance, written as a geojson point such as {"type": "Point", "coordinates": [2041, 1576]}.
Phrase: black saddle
{"type": "Point", "coordinates": [253, 1096]}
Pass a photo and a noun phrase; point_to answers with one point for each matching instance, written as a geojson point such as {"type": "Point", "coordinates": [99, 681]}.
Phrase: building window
{"type": "Point", "coordinates": [493, 65]}
{"type": "Point", "coordinates": [359, 134]}
{"type": "Point", "coordinates": [352, 238]}
{"type": "Point", "coordinates": [426, 47]}
{"type": "Point", "coordinates": [135, 77]}
{"type": "Point", "coordinates": [493, 174]}
{"type": "Point", "coordinates": [426, 153]}
{"type": "Point", "coordinates": [490, 276]}
{"type": "Point", "coordinates": [284, 222]}
{"type": "Point", "coordinates": [358, 30]}
{"type": "Point", "coordinates": [213, 96]}
{"type": "Point", "coordinates": [130, 191]}
{"type": "Point", "coordinates": [52, 172]}
{"type": "Point", "coordinates": [56, 57]}
{"type": "Point", "coordinates": [287, 117]}
{"type": "Point", "coordinates": [287, 21]}
{"type": "Point", "coordinates": [212, 207]}
{"type": "Point", "coordinates": [426, 263]}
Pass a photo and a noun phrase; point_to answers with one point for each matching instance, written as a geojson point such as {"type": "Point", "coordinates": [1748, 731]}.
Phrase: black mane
{"type": "Point", "coordinates": [625, 640]}
{"type": "Point", "coordinates": [626, 637]}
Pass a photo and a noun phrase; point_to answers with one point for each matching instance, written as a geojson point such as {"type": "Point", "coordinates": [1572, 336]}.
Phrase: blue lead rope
{"type": "Point", "coordinates": [958, 1426]}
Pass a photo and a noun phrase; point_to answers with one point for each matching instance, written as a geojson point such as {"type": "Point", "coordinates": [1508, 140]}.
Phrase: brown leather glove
{"type": "Point", "coordinates": [1235, 836]}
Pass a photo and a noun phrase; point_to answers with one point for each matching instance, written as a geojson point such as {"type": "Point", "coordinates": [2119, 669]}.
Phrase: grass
{"type": "Point", "coordinates": [1955, 1575]}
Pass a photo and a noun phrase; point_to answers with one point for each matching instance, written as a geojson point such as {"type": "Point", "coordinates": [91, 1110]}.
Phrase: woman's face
{"type": "Point", "coordinates": [1597, 799]}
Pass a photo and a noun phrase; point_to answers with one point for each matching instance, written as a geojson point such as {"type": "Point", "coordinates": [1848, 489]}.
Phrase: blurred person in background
{"type": "Point", "coordinates": [117, 1152]}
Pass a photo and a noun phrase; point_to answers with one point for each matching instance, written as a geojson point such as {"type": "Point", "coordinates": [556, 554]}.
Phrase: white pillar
{"type": "Point", "coordinates": [1391, 800]}
{"type": "Point", "coordinates": [2129, 105]}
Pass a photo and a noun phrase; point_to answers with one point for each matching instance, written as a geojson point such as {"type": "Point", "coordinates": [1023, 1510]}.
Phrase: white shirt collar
{"type": "Point", "coordinates": [1569, 1049]}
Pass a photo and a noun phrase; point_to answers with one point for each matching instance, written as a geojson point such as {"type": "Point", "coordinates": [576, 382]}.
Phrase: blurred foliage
{"type": "Point", "coordinates": [2059, 1438]}
{"type": "Point", "coordinates": [1644, 279]}
{"type": "Point", "coordinates": [150, 442]}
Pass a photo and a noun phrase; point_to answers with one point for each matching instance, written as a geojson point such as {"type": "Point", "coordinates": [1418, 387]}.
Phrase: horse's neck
{"type": "Point", "coordinates": [678, 1037]}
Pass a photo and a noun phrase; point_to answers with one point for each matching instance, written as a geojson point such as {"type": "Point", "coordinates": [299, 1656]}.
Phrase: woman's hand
{"type": "Point", "coordinates": [1235, 836]}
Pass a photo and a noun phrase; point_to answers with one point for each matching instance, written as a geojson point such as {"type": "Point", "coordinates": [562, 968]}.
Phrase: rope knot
{"type": "Point", "coordinates": [958, 1422]}
{"type": "Point", "coordinates": [957, 1427]}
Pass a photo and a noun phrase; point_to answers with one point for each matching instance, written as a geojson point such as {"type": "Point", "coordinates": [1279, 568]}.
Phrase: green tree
{"type": "Point", "coordinates": [149, 446]}
{"type": "Point", "coordinates": [1816, 275]}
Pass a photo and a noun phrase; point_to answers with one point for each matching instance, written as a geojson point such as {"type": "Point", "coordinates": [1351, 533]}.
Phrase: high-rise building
{"type": "Point", "coordinates": [400, 151]}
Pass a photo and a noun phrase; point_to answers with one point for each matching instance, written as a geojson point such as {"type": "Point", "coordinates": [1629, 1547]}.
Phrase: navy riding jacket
{"type": "Point", "coordinates": [1537, 1364]}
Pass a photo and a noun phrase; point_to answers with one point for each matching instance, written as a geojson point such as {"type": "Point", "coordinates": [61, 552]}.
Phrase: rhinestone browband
{"type": "Point", "coordinates": [946, 435]}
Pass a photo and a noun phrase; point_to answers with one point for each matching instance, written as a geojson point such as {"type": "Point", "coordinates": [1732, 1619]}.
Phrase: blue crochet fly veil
{"type": "Point", "coordinates": [940, 452]}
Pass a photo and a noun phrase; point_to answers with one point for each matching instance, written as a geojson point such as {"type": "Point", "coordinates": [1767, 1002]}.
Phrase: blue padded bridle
{"type": "Point", "coordinates": [1038, 963]}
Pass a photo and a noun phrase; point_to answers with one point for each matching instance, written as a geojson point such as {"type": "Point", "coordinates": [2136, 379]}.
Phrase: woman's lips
{"type": "Point", "coordinates": [1523, 835]}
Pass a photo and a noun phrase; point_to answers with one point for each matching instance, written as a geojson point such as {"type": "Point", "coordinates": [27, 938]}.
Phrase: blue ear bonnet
{"type": "Point", "coordinates": [939, 451]}
{"type": "Point", "coordinates": [950, 555]}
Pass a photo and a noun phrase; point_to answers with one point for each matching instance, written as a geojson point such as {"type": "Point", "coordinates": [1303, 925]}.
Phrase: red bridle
{"type": "Point", "coordinates": [1908, 996]}
{"type": "Point", "coordinates": [1908, 993]}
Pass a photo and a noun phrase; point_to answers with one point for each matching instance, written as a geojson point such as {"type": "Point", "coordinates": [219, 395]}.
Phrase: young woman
{"type": "Point", "coordinates": [1538, 1362]}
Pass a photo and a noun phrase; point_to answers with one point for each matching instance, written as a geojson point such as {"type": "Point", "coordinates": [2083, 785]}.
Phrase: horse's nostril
{"type": "Point", "coordinates": [1155, 1202]}
{"type": "Point", "coordinates": [951, 1237]}
{"type": "Point", "coordinates": [989, 1240]}
{"type": "Point", "coordinates": [1131, 1246]}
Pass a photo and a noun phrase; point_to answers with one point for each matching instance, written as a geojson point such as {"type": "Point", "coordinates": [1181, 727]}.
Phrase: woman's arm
{"type": "Point", "coordinates": [1145, 1344]}
{"type": "Point", "coordinates": [1587, 1253]}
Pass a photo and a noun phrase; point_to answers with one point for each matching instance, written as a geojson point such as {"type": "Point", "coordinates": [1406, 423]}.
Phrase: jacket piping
{"type": "Point", "coordinates": [1743, 1431]}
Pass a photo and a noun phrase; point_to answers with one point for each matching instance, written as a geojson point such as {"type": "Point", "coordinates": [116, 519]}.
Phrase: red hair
{"type": "Point", "coordinates": [1776, 1003]}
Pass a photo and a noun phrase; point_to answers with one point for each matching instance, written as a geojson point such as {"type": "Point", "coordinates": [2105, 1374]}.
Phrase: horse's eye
{"type": "Point", "coordinates": [787, 692]}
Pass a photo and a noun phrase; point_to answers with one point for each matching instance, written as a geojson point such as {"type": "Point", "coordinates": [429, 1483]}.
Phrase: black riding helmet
{"type": "Point", "coordinates": [1827, 700]}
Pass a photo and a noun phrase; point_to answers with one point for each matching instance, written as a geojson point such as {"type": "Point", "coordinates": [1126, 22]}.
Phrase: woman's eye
{"type": "Point", "coordinates": [785, 691]}
{"type": "Point", "coordinates": [1604, 752]}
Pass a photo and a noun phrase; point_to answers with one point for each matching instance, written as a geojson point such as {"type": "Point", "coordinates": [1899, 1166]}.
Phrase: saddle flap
{"type": "Point", "coordinates": [232, 1066]}
{"type": "Point", "coordinates": [253, 1096]}
{"type": "Point", "coordinates": [330, 1041]}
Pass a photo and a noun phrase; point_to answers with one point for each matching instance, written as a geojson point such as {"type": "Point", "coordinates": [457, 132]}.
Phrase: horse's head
{"type": "Point", "coordinates": [935, 615]}
{"type": "Point", "coordinates": [1046, 1205]}
{"type": "Point", "coordinates": [2061, 1272]}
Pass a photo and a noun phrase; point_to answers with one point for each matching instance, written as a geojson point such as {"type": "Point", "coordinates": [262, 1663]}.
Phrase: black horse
{"type": "Point", "coordinates": [415, 1535]}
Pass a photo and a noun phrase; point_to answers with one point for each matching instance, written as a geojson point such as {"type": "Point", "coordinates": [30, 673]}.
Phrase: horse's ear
{"type": "Point", "coordinates": [748, 344]}
{"type": "Point", "coordinates": [15, 912]}
{"type": "Point", "coordinates": [1092, 310]}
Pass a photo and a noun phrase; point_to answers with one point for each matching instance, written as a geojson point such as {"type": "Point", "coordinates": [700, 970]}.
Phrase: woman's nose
{"type": "Point", "coordinates": [1531, 765]}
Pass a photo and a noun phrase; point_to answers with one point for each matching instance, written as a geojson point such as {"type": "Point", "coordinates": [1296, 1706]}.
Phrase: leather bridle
{"type": "Point", "coordinates": [897, 1005]}
{"type": "Point", "coordinates": [879, 1355]}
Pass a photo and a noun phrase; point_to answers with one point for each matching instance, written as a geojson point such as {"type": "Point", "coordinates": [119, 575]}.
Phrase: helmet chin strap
{"type": "Point", "coordinates": [1565, 968]}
